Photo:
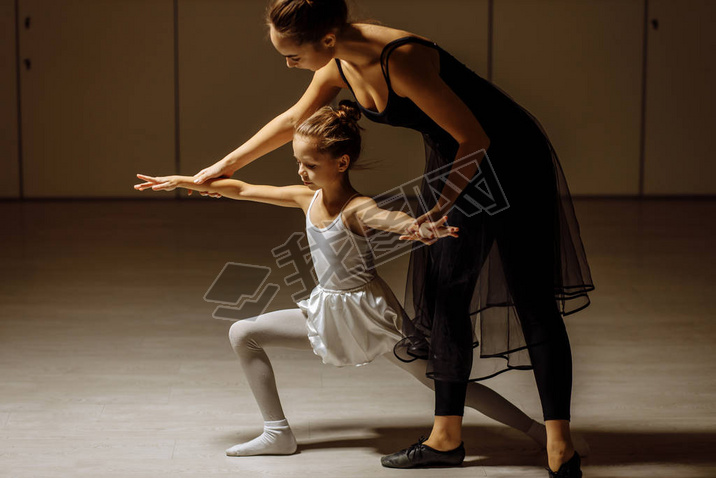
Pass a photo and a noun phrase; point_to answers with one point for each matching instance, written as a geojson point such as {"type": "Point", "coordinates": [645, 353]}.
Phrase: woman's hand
{"type": "Point", "coordinates": [428, 232]}
{"type": "Point", "coordinates": [432, 215]}
{"type": "Point", "coordinates": [215, 171]}
{"type": "Point", "coordinates": [158, 183]}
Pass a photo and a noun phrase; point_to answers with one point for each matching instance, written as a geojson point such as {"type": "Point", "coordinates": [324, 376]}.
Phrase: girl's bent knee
{"type": "Point", "coordinates": [240, 335]}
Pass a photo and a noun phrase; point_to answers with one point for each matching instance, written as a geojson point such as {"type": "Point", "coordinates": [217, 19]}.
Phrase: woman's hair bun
{"type": "Point", "coordinates": [307, 21]}
{"type": "Point", "coordinates": [348, 110]}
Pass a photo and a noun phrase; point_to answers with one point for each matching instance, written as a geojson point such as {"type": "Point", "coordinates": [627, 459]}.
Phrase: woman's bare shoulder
{"type": "Point", "coordinates": [385, 34]}
{"type": "Point", "coordinates": [330, 75]}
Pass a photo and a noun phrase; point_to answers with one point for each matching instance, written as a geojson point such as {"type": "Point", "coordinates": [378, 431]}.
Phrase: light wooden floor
{"type": "Point", "coordinates": [112, 365]}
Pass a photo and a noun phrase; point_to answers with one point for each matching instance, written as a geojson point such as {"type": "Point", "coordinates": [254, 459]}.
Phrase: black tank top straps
{"type": "Point", "coordinates": [400, 111]}
{"type": "Point", "coordinates": [392, 45]}
{"type": "Point", "coordinates": [384, 55]}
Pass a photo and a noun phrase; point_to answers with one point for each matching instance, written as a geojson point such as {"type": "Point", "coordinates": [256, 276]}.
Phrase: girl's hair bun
{"type": "Point", "coordinates": [348, 111]}
{"type": "Point", "coordinates": [335, 130]}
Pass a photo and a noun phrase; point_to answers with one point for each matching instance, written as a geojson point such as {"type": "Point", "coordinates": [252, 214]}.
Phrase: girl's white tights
{"type": "Point", "coordinates": [287, 329]}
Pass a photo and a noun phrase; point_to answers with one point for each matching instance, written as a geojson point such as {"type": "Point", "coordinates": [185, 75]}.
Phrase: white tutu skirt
{"type": "Point", "coordinates": [353, 326]}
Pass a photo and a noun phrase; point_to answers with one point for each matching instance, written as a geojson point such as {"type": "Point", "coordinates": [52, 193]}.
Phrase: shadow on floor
{"type": "Point", "coordinates": [499, 446]}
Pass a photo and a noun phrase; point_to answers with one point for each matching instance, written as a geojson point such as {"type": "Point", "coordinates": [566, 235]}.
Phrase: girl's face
{"type": "Point", "coordinates": [309, 56]}
{"type": "Point", "coordinates": [316, 169]}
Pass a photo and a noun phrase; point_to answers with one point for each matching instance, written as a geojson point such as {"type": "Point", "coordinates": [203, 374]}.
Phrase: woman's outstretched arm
{"type": "Point", "coordinates": [324, 87]}
{"type": "Point", "coordinates": [286, 196]}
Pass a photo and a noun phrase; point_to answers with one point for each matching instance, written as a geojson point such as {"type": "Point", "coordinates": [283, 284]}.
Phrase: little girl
{"type": "Point", "coordinates": [351, 316]}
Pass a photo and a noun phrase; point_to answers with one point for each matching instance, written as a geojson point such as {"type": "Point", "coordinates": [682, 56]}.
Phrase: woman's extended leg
{"type": "Point", "coordinates": [552, 362]}
{"type": "Point", "coordinates": [484, 400]}
{"type": "Point", "coordinates": [528, 245]}
{"type": "Point", "coordinates": [282, 328]}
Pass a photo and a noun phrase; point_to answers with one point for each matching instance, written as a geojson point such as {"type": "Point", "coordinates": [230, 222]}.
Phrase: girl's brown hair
{"type": "Point", "coordinates": [335, 130]}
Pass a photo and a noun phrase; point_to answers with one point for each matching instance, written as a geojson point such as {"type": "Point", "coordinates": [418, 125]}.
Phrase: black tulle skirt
{"type": "Point", "coordinates": [463, 294]}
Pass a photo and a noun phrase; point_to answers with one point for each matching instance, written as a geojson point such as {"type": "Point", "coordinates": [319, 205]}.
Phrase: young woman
{"type": "Point", "coordinates": [352, 316]}
{"type": "Point", "coordinates": [519, 269]}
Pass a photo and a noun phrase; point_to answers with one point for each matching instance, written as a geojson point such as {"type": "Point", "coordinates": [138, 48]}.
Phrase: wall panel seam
{"type": "Point", "coordinates": [642, 127]}
{"type": "Point", "coordinates": [177, 139]}
{"type": "Point", "coordinates": [19, 100]}
{"type": "Point", "coordinates": [490, 32]}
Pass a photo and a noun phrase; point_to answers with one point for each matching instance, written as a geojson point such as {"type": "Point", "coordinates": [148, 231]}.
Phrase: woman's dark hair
{"type": "Point", "coordinates": [335, 130]}
{"type": "Point", "coordinates": [306, 21]}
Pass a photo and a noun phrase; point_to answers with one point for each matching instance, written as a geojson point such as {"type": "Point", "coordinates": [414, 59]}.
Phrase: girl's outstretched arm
{"type": "Point", "coordinates": [286, 196]}
{"type": "Point", "coordinates": [369, 214]}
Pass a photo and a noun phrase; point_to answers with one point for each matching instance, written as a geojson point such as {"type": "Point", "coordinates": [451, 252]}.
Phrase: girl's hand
{"type": "Point", "coordinates": [430, 231]}
{"type": "Point", "coordinates": [158, 183]}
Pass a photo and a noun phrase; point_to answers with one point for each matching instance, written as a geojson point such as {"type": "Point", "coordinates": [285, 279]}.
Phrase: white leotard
{"type": "Point", "coordinates": [352, 315]}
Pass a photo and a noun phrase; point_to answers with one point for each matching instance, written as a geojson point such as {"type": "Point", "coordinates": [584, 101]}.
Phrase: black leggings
{"type": "Point", "coordinates": [543, 329]}
{"type": "Point", "coordinates": [450, 398]}
{"type": "Point", "coordinates": [552, 363]}
{"type": "Point", "coordinates": [554, 387]}
{"type": "Point", "coordinates": [529, 251]}
{"type": "Point", "coordinates": [528, 274]}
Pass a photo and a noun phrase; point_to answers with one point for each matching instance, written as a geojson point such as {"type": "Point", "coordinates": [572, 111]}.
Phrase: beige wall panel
{"type": "Point", "coordinates": [10, 177]}
{"type": "Point", "coordinates": [98, 101]}
{"type": "Point", "coordinates": [577, 66]}
{"type": "Point", "coordinates": [232, 82]}
{"type": "Point", "coordinates": [459, 27]}
{"type": "Point", "coordinates": [681, 101]}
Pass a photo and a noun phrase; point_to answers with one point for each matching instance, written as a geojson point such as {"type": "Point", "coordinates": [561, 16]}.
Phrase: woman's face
{"type": "Point", "coordinates": [309, 56]}
{"type": "Point", "coordinates": [316, 169]}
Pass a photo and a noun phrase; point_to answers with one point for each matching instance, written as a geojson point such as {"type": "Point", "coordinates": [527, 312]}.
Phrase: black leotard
{"type": "Point", "coordinates": [515, 270]}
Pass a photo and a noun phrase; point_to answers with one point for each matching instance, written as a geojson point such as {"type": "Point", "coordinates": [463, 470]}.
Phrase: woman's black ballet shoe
{"type": "Point", "coordinates": [569, 469]}
{"type": "Point", "coordinates": [419, 454]}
